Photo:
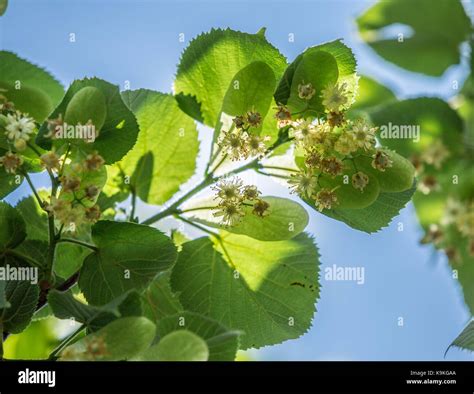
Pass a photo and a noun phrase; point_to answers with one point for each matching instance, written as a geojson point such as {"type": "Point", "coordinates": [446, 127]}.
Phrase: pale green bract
{"type": "Point", "coordinates": [286, 219]}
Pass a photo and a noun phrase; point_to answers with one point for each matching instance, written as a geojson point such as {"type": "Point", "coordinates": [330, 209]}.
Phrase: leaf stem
{"type": "Point", "coordinates": [273, 175]}
{"type": "Point", "coordinates": [199, 227]}
{"type": "Point", "coordinates": [280, 168]}
{"type": "Point", "coordinates": [209, 180]}
{"type": "Point", "coordinates": [38, 198]}
{"type": "Point", "coordinates": [196, 209]}
{"type": "Point", "coordinates": [77, 242]}
{"type": "Point", "coordinates": [134, 204]}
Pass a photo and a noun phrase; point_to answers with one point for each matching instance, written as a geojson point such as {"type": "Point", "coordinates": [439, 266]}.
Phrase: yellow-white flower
{"type": "Point", "coordinates": [334, 97]}
{"type": "Point", "coordinates": [230, 212]}
{"type": "Point", "coordinates": [19, 127]}
{"type": "Point", "coordinates": [364, 135]}
{"type": "Point", "coordinates": [303, 183]}
{"type": "Point", "coordinates": [229, 189]}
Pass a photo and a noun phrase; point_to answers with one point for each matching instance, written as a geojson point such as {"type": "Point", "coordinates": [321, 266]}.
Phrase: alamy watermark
{"type": "Point", "coordinates": [19, 274]}
{"type": "Point", "coordinates": [86, 132]}
{"type": "Point", "coordinates": [394, 131]}
{"type": "Point", "coordinates": [345, 274]}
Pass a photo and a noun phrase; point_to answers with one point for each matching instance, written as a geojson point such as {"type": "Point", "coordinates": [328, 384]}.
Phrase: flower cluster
{"type": "Point", "coordinates": [18, 129]}
{"type": "Point", "coordinates": [458, 216]}
{"type": "Point", "coordinates": [233, 196]}
{"type": "Point", "coordinates": [75, 205]}
{"type": "Point", "coordinates": [241, 142]}
{"type": "Point", "coordinates": [328, 146]}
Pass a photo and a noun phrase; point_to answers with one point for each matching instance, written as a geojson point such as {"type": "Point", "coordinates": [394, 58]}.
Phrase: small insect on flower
{"type": "Point", "coordinates": [50, 161]}
{"type": "Point", "coordinates": [261, 208]}
{"type": "Point", "coordinates": [283, 115]}
{"type": "Point", "coordinates": [363, 134]}
{"type": "Point", "coordinates": [306, 91]}
{"type": "Point", "coordinates": [250, 192]}
{"type": "Point", "coordinates": [19, 127]}
{"type": "Point", "coordinates": [229, 190]}
{"type": "Point", "coordinates": [303, 183]}
{"type": "Point", "coordinates": [233, 144]}
{"type": "Point", "coordinates": [360, 180]}
{"type": "Point", "coordinates": [381, 161]}
{"type": "Point", "coordinates": [325, 199]}
{"type": "Point", "coordinates": [334, 97]}
{"type": "Point", "coordinates": [11, 162]}
{"type": "Point", "coordinates": [253, 118]}
{"type": "Point", "coordinates": [94, 162]}
{"type": "Point", "coordinates": [239, 121]}
{"type": "Point", "coordinates": [256, 145]}
{"type": "Point", "coordinates": [332, 166]}
{"type": "Point", "coordinates": [230, 212]}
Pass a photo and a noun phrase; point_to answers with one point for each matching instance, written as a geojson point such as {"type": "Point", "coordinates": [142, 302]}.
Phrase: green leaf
{"type": "Point", "coordinates": [190, 106]}
{"type": "Point", "coordinates": [431, 117]}
{"type": "Point", "coordinates": [12, 227]}
{"type": "Point", "coordinates": [429, 49]}
{"type": "Point", "coordinates": [68, 259]}
{"type": "Point", "coordinates": [371, 93]}
{"type": "Point", "coordinates": [465, 340]}
{"type": "Point", "coordinates": [35, 343]}
{"type": "Point", "coordinates": [36, 220]}
{"type": "Point", "coordinates": [211, 61]}
{"type": "Point", "coordinates": [19, 302]}
{"type": "Point", "coordinates": [221, 342]}
{"type": "Point", "coordinates": [3, 6]}
{"type": "Point", "coordinates": [29, 87]}
{"type": "Point", "coordinates": [3, 298]}
{"type": "Point", "coordinates": [346, 67]}
{"type": "Point", "coordinates": [65, 306]}
{"type": "Point", "coordinates": [167, 147]}
{"type": "Point", "coordinates": [118, 133]}
{"type": "Point", "coordinates": [180, 345]}
{"type": "Point", "coordinates": [265, 289]}
{"type": "Point", "coordinates": [286, 220]}
{"type": "Point", "coordinates": [376, 216]}
{"type": "Point", "coordinates": [122, 339]}
{"type": "Point", "coordinates": [129, 256]}
{"type": "Point", "coordinates": [159, 300]}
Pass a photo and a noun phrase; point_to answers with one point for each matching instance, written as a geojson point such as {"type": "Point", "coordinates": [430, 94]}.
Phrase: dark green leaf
{"type": "Point", "coordinates": [129, 256]}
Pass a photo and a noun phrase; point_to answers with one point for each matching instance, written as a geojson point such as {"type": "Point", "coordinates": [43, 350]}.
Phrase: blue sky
{"type": "Point", "coordinates": [137, 41]}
